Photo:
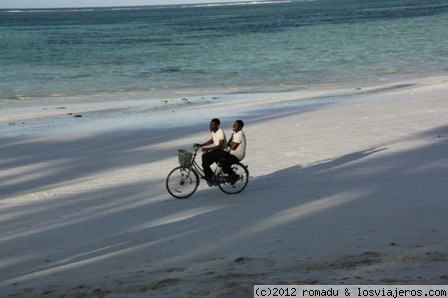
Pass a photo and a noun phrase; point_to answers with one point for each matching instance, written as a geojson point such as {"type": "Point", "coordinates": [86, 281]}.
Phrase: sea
{"type": "Point", "coordinates": [248, 46]}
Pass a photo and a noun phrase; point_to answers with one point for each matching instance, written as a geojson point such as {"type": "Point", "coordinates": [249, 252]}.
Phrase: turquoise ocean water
{"type": "Point", "coordinates": [224, 48]}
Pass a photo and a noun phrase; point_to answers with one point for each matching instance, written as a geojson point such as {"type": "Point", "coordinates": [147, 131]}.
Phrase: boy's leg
{"type": "Point", "coordinates": [207, 160]}
{"type": "Point", "coordinates": [227, 164]}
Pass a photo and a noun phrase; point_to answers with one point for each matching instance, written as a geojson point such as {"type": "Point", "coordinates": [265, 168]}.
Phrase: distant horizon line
{"type": "Point", "coordinates": [130, 7]}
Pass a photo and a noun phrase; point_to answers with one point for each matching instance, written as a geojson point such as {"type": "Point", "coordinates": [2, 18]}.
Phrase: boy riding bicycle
{"type": "Point", "coordinates": [228, 153]}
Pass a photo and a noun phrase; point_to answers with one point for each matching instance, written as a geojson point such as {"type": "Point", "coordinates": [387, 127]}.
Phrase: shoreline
{"type": "Point", "coordinates": [18, 113]}
{"type": "Point", "coordinates": [211, 91]}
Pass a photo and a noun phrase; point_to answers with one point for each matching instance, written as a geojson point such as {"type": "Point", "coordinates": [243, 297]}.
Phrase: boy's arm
{"type": "Point", "coordinates": [209, 142]}
{"type": "Point", "coordinates": [235, 141]}
{"type": "Point", "coordinates": [233, 145]}
{"type": "Point", "coordinates": [219, 146]}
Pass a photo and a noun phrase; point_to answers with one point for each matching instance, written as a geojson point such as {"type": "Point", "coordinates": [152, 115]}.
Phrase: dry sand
{"type": "Point", "coordinates": [348, 186]}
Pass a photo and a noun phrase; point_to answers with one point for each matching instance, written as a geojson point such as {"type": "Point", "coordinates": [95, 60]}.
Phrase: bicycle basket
{"type": "Point", "coordinates": [184, 158]}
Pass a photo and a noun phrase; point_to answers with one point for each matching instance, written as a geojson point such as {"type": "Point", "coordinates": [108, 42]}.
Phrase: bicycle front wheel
{"type": "Point", "coordinates": [224, 181]}
{"type": "Point", "coordinates": [182, 182]}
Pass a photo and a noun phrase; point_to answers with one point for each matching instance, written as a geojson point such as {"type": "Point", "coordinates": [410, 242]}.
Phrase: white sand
{"type": "Point", "coordinates": [348, 187]}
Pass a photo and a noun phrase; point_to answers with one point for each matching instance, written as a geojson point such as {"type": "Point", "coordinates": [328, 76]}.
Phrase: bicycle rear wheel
{"type": "Point", "coordinates": [224, 180]}
{"type": "Point", "coordinates": [182, 182]}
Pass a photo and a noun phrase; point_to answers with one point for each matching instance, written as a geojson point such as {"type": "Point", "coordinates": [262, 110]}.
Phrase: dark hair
{"type": "Point", "coordinates": [240, 122]}
{"type": "Point", "coordinates": [216, 121]}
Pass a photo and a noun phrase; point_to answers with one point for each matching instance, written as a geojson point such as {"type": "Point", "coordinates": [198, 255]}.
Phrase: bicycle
{"type": "Point", "coordinates": [183, 181]}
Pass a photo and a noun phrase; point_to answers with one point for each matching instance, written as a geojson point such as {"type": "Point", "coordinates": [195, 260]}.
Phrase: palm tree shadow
{"type": "Point", "coordinates": [344, 159]}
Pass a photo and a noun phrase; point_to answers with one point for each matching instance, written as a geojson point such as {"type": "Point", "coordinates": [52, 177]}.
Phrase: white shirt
{"type": "Point", "coordinates": [218, 136]}
{"type": "Point", "coordinates": [240, 151]}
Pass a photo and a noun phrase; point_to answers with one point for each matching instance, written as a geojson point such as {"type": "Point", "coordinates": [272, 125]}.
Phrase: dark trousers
{"type": "Point", "coordinates": [227, 164]}
{"type": "Point", "coordinates": [213, 156]}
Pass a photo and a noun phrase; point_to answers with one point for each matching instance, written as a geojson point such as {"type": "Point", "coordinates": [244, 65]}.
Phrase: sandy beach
{"type": "Point", "coordinates": [348, 186]}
